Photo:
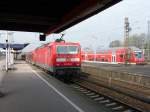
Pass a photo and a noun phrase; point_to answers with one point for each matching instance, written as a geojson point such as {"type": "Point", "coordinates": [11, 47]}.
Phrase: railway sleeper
{"type": "Point", "coordinates": [118, 108]}
{"type": "Point", "coordinates": [95, 96]}
{"type": "Point", "coordinates": [100, 98]}
{"type": "Point", "coordinates": [104, 101]}
{"type": "Point", "coordinates": [86, 92]}
{"type": "Point", "coordinates": [89, 94]}
{"type": "Point", "coordinates": [111, 104]}
{"type": "Point", "coordinates": [128, 110]}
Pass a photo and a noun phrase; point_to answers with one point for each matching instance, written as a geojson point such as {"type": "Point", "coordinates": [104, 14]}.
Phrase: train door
{"type": "Point", "coordinates": [113, 58]}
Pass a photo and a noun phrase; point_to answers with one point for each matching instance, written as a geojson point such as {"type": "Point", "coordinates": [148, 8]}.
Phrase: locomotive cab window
{"type": "Point", "coordinates": [67, 49]}
{"type": "Point", "coordinates": [138, 54]}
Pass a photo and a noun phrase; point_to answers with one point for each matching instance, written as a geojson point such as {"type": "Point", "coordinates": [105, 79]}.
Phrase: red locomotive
{"type": "Point", "coordinates": [58, 57]}
{"type": "Point", "coordinates": [118, 55]}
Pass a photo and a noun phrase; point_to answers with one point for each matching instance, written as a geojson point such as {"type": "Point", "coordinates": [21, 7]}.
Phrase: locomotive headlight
{"type": "Point", "coordinates": [67, 59]}
{"type": "Point", "coordinates": [60, 59]}
{"type": "Point", "coordinates": [75, 59]}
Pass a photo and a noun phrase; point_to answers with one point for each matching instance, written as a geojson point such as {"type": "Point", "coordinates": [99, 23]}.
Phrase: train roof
{"type": "Point", "coordinates": [31, 47]}
{"type": "Point", "coordinates": [116, 48]}
{"type": "Point", "coordinates": [56, 43]}
{"type": "Point", "coordinates": [62, 43]}
{"type": "Point", "coordinates": [133, 48]}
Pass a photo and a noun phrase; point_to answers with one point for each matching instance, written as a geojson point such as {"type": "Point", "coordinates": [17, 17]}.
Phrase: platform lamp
{"type": "Point", "coordinates": [10, 41]}
{"type": "Point", "coordinates": [6, 52]}
{"type": "Point", "coordinates": [1, 93]}
{"type": "Point", "coordinates": [6, 46]}
{"type": "Point", "coordinates": [42, 37]}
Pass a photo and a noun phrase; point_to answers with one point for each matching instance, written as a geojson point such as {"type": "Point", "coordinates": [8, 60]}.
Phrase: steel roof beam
{"type": "Point", "coordinates": [86, 9]}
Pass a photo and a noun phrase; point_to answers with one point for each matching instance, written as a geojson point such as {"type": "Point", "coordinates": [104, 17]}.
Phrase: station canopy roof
{"type": "Point", "coordinates": [48, 16]}
{"type": "Point", "coordinates": [15, 46]}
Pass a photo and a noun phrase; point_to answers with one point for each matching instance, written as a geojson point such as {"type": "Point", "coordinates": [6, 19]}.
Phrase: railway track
{"type": "Point", "coordinates": [92, 91]}
{"type": "Point", "coordinates": [98, 94]}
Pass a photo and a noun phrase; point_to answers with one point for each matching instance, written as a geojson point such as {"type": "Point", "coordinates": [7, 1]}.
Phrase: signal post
{"type": "Point", "coordinates": [126, 40]}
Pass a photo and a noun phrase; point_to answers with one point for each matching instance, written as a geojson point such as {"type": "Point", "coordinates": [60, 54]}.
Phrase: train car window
{"type": "Point", "coordinates": [67, 49]}
{"type": "Point", "coordinates": [102, 59]}
{"type": "Point", "coordinates": [121, 55]}
{"type": "Point", "coordinates": [138, 54]}
{"type": "Point", "coordinates": [73, 49]}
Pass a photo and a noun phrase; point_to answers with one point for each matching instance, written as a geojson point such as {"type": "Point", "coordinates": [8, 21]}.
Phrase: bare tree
{"type": "Point", "coordinates": [115, 43]}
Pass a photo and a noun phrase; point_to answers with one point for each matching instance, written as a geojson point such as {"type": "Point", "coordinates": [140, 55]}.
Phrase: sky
{"type": "Point", "coordinates": [102, 28]}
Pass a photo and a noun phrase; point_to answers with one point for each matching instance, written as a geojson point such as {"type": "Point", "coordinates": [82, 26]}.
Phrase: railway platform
{"type": "Point", "coordinates": [27, 89]}
{"type": "Point", "coordinates": [132, 82]}
{"type": "Point", "coordinates": [130, 68]}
